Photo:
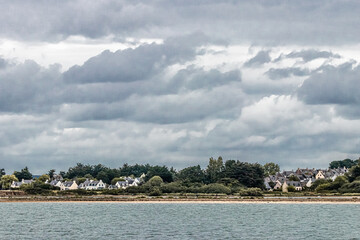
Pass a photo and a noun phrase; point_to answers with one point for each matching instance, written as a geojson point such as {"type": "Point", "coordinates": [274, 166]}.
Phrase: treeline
{"type": "Point", "coordinates": [241, 173]}
{"type": "Point", "coordinates": [348, 163]}
{"type": "Point", "coordinates": [218, 174]}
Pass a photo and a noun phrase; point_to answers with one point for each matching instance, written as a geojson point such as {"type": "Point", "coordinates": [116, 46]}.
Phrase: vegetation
{"type": "Point", "coordinates": [271, 169]}
{"type": "Point", "coordinates": [23, 174]}
{"type": "Point", "coordinates": [6, 181]}
{"type": "Point", "coordinates": [348, 163]}
{"type": "Point", "coordinates": [219, 177]}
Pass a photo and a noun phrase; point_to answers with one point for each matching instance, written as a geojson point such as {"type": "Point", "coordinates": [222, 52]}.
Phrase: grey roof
{"type": "Point", "coordinates": [68, 183]}
{"type": "Point", "coordinates": [293, 183]}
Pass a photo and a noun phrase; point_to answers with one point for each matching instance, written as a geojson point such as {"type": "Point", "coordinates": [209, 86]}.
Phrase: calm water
{"type": "Point", "coordinates": [178, 221]}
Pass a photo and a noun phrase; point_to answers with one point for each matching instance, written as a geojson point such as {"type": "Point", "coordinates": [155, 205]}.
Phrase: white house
{"type": "Point", "coordinates": [320, 175]}
{"type": "Point", "coordinates": [18, 184]}
{"type": "Point", "coordinates": [70, 185]}
{"type": "Point", "coordinates": [95, 185]}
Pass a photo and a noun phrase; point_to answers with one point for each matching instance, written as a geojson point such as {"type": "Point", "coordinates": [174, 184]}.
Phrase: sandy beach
{"type": "Point", "coordinates": [317, 200]}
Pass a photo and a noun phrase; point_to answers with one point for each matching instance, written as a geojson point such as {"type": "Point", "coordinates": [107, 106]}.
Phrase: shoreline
{"type": "Point", "coordinates": [321, 200]}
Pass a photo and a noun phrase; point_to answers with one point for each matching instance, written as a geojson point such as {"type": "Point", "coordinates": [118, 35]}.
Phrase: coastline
{"type": "Point", "coordinates": [317, 200]}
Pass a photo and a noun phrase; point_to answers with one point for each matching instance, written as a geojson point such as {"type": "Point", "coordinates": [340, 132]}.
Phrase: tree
{"type": "Point", "coordinates": [6, 181]}
{"type": "Point", "coordinates": [161, 171]}
{"type": "Point", "coordinates": [348, 163]}
{"type": "Point", "coordinates": [248, 174]}
{"type": "Point", "coordinates": [102, 175]}
{"type": "Point", "coordinates": [214, 169]}
{"type": "Point", "coordinates": [2, 172]}
{"type": "Point", "coordinates": [271, 169]}
{"type": "Point", "coordinates": [51, 173]}
{"type": "Point", "coordinates": [155, 181]}
{"type": "Point", "coordinates": [43, 178]}
{"type": "Point", "coordinates": [23, 174]}
{"type": "Point", "coordinates": [354, 173]}
{"type": "Point", "coordinates": [192, 174]}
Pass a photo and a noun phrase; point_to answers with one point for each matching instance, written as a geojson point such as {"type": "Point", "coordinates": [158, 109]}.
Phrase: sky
{"type": "Point", "coordinates": [177, 82]}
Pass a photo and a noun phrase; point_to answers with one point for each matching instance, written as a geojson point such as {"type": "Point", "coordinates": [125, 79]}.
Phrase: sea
{"type": "Point", "coordinates": [116, 220]}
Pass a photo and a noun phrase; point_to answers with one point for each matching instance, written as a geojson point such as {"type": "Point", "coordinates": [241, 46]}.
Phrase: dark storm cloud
{"type": "Point", "coordinates": [332, 85]}
{"type": "Point", "coordinates": [28, 87]}
{"type": "Point", "coordinates": [260, 58]}
{"type": "Point", "coordinates": [260, 22]}
{"type": "Point", "coordinates": [279, 73]}
{"type": "Point", "coordinates": [136, 64]}
{"type": "Point", "coordinates": [308, 55]}
{"type": "Point", "coordinates": [193, 78]}
{"type": "Point", "coordinates": [132, 85]}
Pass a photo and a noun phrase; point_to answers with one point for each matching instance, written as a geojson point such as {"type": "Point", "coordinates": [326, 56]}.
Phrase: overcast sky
{"type": "Point", "coordinates": [177, 82]}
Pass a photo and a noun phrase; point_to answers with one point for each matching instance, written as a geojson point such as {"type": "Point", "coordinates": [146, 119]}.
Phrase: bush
{"type": "Point", "coordinates": [291, 188]}
{"type": "Point", "coordinates": [155, 181]}
{"type": "Point", "coordinates": [353, 187]}
{"type": "Point", "coordinates": [135, 190]}
{"type": "Point", "coordinates": [155, 192]}
{"type": "Point", "coordinates": [174, 187]}
{"type": "Point", "coordinates": [256, 192]}
{"type": "Point", "coordinates": [215, 188]}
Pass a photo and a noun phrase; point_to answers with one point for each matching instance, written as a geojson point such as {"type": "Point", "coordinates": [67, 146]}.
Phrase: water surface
{"type": "Point", "coordinates": [178, 221]}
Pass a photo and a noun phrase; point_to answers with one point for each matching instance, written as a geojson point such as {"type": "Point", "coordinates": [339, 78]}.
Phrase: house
{"type": "Point", "coordinates": [69, 185]}
{"type": "Point", "coordinates": [310, 182]}
{"type": "Point", "coordinates": [320, 175]}
{"type": "Point", "coordinates": [95, 185]}
{"type": "Point", "coordinates": [84, 184]}
{"type": "Point", "coordinates": [295, 184]}
{"type": "Point", "coordinates": [18, 184]}
{"type": "Point", "coordinates": [267, 186]}
{"type": "Point", "coordinates": [54, 183]}
{"type": "Point", "coordinates": [121, 184]}
{"type": "Point", "coordinates": [278, 185]}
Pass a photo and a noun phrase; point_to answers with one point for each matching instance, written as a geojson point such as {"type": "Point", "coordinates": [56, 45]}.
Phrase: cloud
{"type": "Point", "coordinates": [136, 64]}
{"type": "Point", "coordinates": [308, 55]}
{"type": "Point", "coordinates": [28, 87]}
{"type": "Point", "coordinates": [259, 22]}
{"type": "Point", "coordinates": [279, 73]}
{"type": "Point", "coordinates": [260, 58]}
{"type": "Point", "coordinates": [332, 85]}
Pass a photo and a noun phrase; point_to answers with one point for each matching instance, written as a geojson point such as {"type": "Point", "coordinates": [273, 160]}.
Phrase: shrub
{"type": "Point", "coordinates": [353, 187]}
{"type": "Point", "coordinates": [251, 192]}
{"type": "Point", "coordinates": [155, 191]}
{"type": "Point", "coordinates": [174, 187]}
{"type": "Point", "coordinates": [215, 188]}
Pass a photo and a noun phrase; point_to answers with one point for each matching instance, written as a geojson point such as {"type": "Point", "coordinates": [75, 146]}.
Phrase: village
{"type": "Point", "coordinates": [88, 184]}
{"type": "Point", "coordinates": [281, 181]}
{"type": "Point", "coordinates": [301, 178]}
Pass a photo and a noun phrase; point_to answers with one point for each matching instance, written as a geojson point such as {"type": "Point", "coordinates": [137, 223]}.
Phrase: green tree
{"type": "Point", "coordinates": [271, 169]}
{"type": "Point", "coordinates": [102, 175]}
{"type": "Point", "coordinates": [155, 181]}
{"type": "Point", "coordinates": [161, 171]}
{"type": "Point", "coordinates": [214, 169]}
{"type": "Point", "coordinates": [6, 181]}
{"type": "Point", "coordinates": [192, 174]}
{"type": "Point", "coordinates": [43, 178]}
{"type": "Point", "coordinates": [2, 172]}
{"type": "Point", "coordinates": [23, 174]}
{"type": "Point", "coordinates": [248, 174]}
{"type": "Point", "coordinates": [51, 173]}
{"type": "Point", "coordinates": [348, 163]}
{"type": "Point", "coordinates": [354, 173]}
